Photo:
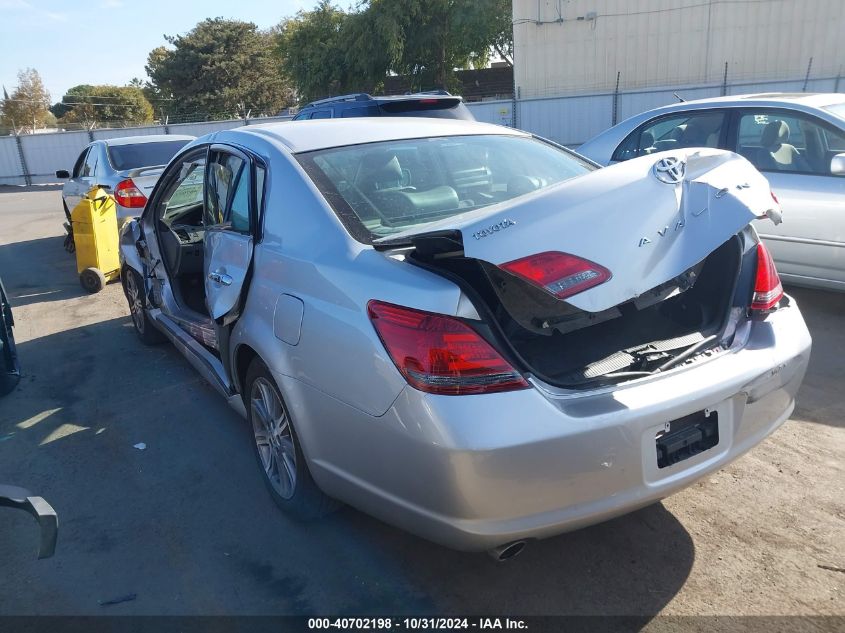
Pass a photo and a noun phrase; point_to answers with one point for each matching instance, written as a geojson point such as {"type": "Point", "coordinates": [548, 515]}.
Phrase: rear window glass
{"type": "Point", "coordinates": [135, 155]}
{"type": "Point", "coordinates": [437, 109]}
{"type": "Point", "coordinates": [838, 109]}
{"type": "Point", "coordinates": [369, 110]}
{"type": "Point", "coordinates": [378, 189]}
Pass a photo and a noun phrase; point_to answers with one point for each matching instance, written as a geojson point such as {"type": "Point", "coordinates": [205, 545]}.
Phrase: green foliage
{"type": "Point", "coordinates": [27, 108]}
{"type": "Point", "coordinates": [328, 51]}
{"type": "Point", "coordinates": [104, 105]}
{"type": "Point", "coordinates": [221, 68]}
{"type": "Point", "coordinates": [312, 50]}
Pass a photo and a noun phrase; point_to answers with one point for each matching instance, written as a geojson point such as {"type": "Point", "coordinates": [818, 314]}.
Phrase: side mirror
{"type": "Point", "coordinates": [48, 523]}
{"type": "Point", "coordinates": [837, 165]}
{"type": "Point", "coordinates": [62, 173]}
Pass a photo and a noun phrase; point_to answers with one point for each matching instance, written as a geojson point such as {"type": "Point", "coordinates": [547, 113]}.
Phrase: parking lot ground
{"type": "Point", "coordinates": [187, 526]}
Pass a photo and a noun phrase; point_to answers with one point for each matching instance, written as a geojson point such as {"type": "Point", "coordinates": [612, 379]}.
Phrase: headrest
{"type": "Point", "coordinates": [647, 140]}
{"type": "Point", "coordinates": [381, 167]}
{"type": "Point", "coordinates": [700, 128]}
{"type": "Point", "coordinates": [776, 132]}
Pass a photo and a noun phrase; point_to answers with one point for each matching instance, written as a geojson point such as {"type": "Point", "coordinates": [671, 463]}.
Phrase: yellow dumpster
{"type": "Point", "coordinates": [94, 222]}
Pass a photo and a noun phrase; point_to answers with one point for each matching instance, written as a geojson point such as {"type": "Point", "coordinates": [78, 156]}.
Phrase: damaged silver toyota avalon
{"type": "Point", "coordinates": [467, 331]}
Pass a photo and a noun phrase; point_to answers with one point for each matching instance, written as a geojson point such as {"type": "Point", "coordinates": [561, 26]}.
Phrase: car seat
{"type": "Point", "coordinates": [776, 153]}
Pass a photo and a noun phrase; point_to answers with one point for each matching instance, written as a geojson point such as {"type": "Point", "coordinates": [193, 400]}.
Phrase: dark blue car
{"type": "Point", "coordinates": [439, 104]}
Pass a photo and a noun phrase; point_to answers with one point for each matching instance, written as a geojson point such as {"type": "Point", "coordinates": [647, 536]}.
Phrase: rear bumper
{"type": "Point", "coordinates": [473, 472]}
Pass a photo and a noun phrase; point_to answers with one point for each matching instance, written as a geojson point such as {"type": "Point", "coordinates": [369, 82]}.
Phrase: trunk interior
{"type": "Point", "coordinates": [568, 347]}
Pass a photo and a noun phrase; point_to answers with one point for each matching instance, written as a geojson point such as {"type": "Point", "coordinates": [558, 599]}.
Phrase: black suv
{"type": "Point", "coordinates": [438, 104]}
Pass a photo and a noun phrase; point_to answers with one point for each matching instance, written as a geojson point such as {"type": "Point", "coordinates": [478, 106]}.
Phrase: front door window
{"type": "Point", "coordinates": [701, 128]}
{"type": "Point", "coordinates": [783, 141]}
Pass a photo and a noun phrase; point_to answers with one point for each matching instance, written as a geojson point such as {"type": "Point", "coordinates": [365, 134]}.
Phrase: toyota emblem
{"type": "Point", "coordinates": [670, 170]}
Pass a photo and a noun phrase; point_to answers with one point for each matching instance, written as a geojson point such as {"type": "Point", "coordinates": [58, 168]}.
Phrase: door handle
{"type": "Point", "coordinates": [220, 278]}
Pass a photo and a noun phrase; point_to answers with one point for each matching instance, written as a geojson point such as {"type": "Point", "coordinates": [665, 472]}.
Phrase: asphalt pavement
{"type": "Point", "coordinates": [187, 527]}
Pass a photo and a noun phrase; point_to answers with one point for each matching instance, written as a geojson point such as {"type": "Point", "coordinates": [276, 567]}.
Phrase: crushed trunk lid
{"type": "Point", "coordinates": [630, 218]}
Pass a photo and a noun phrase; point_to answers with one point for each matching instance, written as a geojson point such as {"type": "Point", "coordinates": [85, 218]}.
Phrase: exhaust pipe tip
{"type": "Point", "coordinates": [507, 551]}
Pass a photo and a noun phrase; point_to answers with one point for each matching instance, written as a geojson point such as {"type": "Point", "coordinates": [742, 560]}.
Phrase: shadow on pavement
{"type": "Point", "coordinates": [820, 398]}
{"type": "Point", "coordinates": [187, 525]}
{"type": "Point", "coordinates": [50, 273]}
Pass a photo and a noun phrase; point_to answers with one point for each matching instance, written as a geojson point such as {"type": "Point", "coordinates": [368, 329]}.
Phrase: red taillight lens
{"type": "Point", "coordinates": [767, 287]}
{"type": "Point", "coordinates": [128, 195]}
{"type": "Point", "coordinates": [441, 354]}
{"type": "Point", "coordinates": [559, 273]}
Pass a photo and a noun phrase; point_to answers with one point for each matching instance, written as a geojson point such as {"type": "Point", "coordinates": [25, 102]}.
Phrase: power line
{"type": "Point", "coordinates": [561, 19]}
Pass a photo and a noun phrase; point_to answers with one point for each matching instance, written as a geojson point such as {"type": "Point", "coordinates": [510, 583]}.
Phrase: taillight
{"type": "Point", "coordinates": [441, 354]}
{"type": "Point", "coordinates": [561, 274]}
{"type": "Point", "coordinates": [128, 195]}
{"type": "Point", "coordinates": [767, 287]}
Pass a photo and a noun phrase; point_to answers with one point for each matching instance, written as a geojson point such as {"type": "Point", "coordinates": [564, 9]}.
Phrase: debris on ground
{"type": "Point", "coordinates": [127, 598]}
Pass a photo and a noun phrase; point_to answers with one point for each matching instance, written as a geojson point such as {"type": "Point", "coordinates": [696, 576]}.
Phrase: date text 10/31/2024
{"type": "Point", "coordinates": [413, 624]}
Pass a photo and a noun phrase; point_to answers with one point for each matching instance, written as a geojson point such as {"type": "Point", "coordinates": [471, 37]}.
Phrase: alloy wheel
{"type": "Point", "coordinates": [273, 436]}
{"type": "Point", "coordinates": [136, 306]}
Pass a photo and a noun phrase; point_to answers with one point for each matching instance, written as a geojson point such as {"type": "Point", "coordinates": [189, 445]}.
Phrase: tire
{"type": "Point", "coordinates": [144, 328]}
{"type": "Point", "coordinates": [69, 244]}
{"type": "Point", "coordinates": [9, 376]}
{"type": "Point", "coordinates": [277, 450]}
{"type": "Point", "coordinates": [92, 280]}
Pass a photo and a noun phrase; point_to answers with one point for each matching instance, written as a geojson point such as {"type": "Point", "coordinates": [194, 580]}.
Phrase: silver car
{"type": "Point", "coordinates": [464, 330]}
{"type": "Point", "coordinates": [796, 140]}
{"type": "Point", "coordinates": [128, 167]}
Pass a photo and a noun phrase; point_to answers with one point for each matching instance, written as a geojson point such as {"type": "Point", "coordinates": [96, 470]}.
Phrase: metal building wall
{"type": "Point", "coordinates": [46, 153]}
{"type": "Point", "coordinates": [565, 46]}
{"type": "Point", "coordinates": [575, 118]}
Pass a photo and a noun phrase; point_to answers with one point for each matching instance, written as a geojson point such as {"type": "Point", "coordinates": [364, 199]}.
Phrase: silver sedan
{"type": "Point", "coordinates": [796, 140]}
{"type": "Point", "coordinates": [128, 167]}
{"type": "Point", "coordinates": [464, 330]}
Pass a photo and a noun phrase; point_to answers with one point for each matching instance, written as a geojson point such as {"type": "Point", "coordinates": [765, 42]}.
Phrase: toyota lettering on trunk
{"type": "Point", "coordinates": [493, 228]}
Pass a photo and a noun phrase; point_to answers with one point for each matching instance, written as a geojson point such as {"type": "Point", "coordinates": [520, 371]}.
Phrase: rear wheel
{"type": "Point", "coordinates": [69, 244]}
{"type": "Point", "coordinates": [133, 289]}
{"type": "Point", "coordinates": [9, 375]}
{"type": "Point", "coordinates": [277, 448]}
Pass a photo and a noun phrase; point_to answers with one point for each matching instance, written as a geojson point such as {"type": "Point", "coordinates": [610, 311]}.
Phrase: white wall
{"type": "Point", "coordinates": [573, 119]}
{"type": "Point", "coordinates": [46, 153]}
{"type": "Point", "coordinates": [569, 120]}
{"type": "Point", "coordinates": [671, 42]}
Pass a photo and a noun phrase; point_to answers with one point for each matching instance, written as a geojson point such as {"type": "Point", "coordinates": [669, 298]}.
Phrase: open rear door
{"type": "Point", "coordinates": [230, 219]}
{"type": "Point", "coordinates": [227, 259]}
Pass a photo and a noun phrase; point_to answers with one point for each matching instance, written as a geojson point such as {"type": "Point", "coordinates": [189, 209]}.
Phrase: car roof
{"type": "Point", "coordinates": [771, 99]}
{"type": "Point", "coordinates": [310, 135]}
{"type": "Point", "coordinates": [148, 138]}
{"type": "Point", "coordinates": [354, 99]}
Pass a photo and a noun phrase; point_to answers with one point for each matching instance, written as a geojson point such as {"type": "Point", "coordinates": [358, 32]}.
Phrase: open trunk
{"type": "Point", "coordinates": [661, 268]}
{"type": "Point", "coordinates": [569, 347]}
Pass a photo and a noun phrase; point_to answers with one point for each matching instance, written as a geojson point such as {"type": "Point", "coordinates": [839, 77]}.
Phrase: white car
{"type": "Point", "coordinates": [127, 167]}
{"type": "Point", "coordinates": [464, 330]}
{"type": "Point", "coordinates": [796, 140]}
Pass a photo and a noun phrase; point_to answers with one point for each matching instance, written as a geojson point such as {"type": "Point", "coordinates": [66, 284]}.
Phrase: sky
{"type": "Point", "coordinates": [74, 42]}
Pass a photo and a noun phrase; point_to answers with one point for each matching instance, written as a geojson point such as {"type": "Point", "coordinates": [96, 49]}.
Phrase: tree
{"type": "Point", "coordinates": [110, 105]}
{"type": "Point", "coordinates": [440, 36]}
{"type": "Point", "coordinates": [327, 50]}
{"type": "Point", "coordinates": [219, 69]}
{"type": "Point", "coordinates": [312, 51]}
{"type": "Point", "coordinates": [27, 108]}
